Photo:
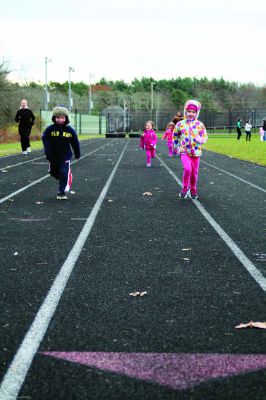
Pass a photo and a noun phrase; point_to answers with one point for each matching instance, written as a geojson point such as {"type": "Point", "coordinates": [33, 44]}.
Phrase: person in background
{"type": "Point", "coordinates": [261, 132]}
{"type": "Point", "coordinates": [148, 142]}
{"type": "Point", "coordinates": [58, 139]}
{"type": "Point", "coordinates": [25, 119]}
{"type": "Point", "coordinates": [248, 128]}
{"type": "Point", "coordinates": [178, 117]}
{"type": "Point", "coordinates": [168, 134]}
{"type": "Point", "coordinates": [238, 128]}
{"type": "Point", "coordinates": [264, 127]}
{"type": "Point", "coordinates": [192, 135]}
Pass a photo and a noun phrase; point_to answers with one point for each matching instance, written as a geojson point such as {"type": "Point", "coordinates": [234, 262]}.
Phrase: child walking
{"type": "Point", "coordinates": [58, 139]}
{"type": "Point", "coordinates": [261, 132]}
{"type": "Point", "coordinates": [169, 135]}
{"type": "Point", "coordinates": [192, 134]}
{"type": "Point", "coordinates": [148, 142]}
{"type": "Point", "coordinates": [238, 128]}
{"type": "Point", "coordinates": [248, 128]}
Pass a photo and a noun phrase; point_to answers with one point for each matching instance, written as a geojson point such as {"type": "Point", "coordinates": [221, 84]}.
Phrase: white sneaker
{"type": "Point", "coordinates": [28, 150]}
{"type": "Point", "coordinates": [24, 152]}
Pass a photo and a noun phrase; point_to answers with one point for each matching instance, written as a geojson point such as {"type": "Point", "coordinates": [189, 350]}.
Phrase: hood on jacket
{"type": "Point", "coordinates": [195, 103]}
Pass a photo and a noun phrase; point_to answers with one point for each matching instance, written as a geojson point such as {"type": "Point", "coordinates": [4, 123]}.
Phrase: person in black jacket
{"type": "Point", "coordinates": [58, 139]}
{"type": "Point", "coordinates": [25, 119]}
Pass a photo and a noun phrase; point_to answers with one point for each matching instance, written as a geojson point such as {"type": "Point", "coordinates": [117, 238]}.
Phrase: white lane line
{"type": "Point", "coordinates": [31, 160]}
{"type": "Point", "coordinates": [23, 162]}
{"type": "Point", "coordinates": [44, 177]}
{"type": "Point", "coordinates": [234, 176]}
{"type": "Point", "coordinates": [250, 267]}
{"type": "Point", "coordinates": [21, 363]}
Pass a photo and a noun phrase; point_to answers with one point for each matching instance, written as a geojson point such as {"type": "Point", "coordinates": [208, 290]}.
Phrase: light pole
{"type": "Point", "coordinates": [46, 84]}
{"type": "Point", "coordinates": [90, 95]}
{"type": "Point", "coordinates": [70, 69]}
{"type": "Point", "coordinates": [152, 84]}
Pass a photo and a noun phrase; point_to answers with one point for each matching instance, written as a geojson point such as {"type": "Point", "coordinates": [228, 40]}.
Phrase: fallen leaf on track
{"type": "Point", "coordinates": [147, 194]}
{"type": "Point", "coordinates": [137, 294]}
{"type": "Point", "coordinates": [251, 324]}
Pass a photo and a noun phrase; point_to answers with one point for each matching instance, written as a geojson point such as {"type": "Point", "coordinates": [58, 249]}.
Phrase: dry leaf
{"type": "Point", "coordinates": [251, 324]}
{"type": "Point", "coordinates": [137, 294]}
{"type": "Point", "coordinates": [147, 194]}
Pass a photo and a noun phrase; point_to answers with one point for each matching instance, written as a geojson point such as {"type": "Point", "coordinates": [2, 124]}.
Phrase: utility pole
{"type": "Point", "coordinates": [90, 95]}
{"type": "Point", "coordinates": [70, 102]}
{"type": "Point", "coordinates": [46, 84]}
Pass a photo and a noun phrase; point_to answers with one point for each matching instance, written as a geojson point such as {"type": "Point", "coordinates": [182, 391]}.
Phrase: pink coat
{"type": "Point", "coordinates": [148, 140]}
{"type": "Point", "coordinates": [168, 134]}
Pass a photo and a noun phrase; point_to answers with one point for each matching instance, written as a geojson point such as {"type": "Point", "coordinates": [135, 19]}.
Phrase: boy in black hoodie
{"type": "Point", "coordinates": [58, 139]}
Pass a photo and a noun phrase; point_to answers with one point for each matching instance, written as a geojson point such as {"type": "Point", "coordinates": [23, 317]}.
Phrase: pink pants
{"type": "Point", "coordinates": [190, 172]}
{"type": "Point", "coordinates": [170, 148]}
{"type": "Point", "coordinates": [149, 155]}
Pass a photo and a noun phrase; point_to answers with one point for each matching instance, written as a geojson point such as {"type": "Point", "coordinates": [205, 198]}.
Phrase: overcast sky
{"type": "Point", "coordinates": [126, 39]}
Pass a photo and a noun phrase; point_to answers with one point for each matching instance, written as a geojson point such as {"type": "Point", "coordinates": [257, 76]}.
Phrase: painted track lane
{"type": "Point", "coordinates": [42, 235]}
{"type": "Point", "coordinates": [192, 305]}
{"type": "Point", "coordinates": [18, 173]}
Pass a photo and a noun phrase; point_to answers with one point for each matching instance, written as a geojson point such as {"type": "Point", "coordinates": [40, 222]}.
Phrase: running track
{"type": "Point", "coordinates": [69, 327]}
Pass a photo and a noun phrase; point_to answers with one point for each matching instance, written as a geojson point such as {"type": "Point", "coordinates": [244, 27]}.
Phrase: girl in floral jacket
{"type": "Point", "coordinates": [192, 135]}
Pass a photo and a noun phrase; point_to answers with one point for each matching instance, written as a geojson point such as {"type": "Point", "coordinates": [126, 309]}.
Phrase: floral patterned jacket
{"type": "Point", "coordinates": [191, 136]}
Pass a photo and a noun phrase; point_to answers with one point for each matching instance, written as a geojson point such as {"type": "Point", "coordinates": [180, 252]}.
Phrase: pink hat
{"type": "Point", "coordinates": [192, 107]}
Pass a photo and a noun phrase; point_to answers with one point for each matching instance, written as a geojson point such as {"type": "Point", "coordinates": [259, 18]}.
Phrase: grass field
{"type": "Point", "coordinates": [13, 148]}
{"type": "Point", "coordinates": [253, 151]}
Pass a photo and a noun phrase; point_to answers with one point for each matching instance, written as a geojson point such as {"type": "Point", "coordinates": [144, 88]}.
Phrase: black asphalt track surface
{"type": "Point", "coordinates": [197, 289]}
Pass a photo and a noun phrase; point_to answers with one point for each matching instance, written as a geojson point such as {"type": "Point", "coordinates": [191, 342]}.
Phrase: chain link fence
{"type": "Point", "coordinates": [119, 121]}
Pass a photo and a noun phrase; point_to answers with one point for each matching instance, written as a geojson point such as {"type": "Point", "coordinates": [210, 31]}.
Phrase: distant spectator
{"type": "Point", "coordinates": [178, 117]}
{"type": "Point", "coordinates": [248, 127]}
{"type": "Point", "coordinates": [25, 119]}
{"type": "Point", "coordinates": [261, 132]}
{"type": "Point", "coordinates": [264, 127]}
{"type": "Point", "coordinates": [238, 128]}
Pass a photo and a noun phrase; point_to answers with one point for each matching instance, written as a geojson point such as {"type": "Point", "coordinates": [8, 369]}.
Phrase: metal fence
{"type": "Point", "coordinates": [134, 120]}
{"type": "Point", "coordinates": [124, 120]}
{"type": "Point", "coordinates": [83, 122]}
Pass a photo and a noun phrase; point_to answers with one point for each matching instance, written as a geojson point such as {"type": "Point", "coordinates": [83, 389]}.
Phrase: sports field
{"type": "Point", "coordinates": [126, 291]}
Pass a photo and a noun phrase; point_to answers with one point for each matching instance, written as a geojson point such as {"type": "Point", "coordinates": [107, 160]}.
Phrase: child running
{"type": "Point", "coordinates": [58, 139]}
{"type": "Point", "coordinates": [192, 134]}
{"type": "Point", "coordinates": [148, 142]}
{"type": "Point", "coordinates": [169, 135]}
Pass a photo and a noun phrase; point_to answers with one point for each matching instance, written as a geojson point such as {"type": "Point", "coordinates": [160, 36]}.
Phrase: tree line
{"type": "Point", "coordinates": [168, 94]}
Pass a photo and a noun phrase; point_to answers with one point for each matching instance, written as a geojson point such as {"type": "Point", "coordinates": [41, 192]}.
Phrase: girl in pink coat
{"type": "Point", "coordinates": [148, 141]}
{"type": "Point", "coordinates": [169, 135]}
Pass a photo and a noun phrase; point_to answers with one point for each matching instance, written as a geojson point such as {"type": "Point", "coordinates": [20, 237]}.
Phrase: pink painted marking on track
{"type": "Point", "coordinates": [177, 371]}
